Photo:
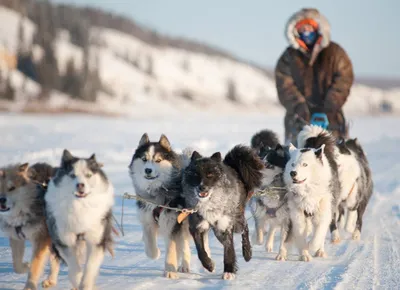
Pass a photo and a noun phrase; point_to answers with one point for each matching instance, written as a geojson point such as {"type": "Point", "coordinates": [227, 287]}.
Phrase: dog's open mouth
{"type": "Point", "coordinates": [296, 181]}
{"type": "Point", "coordinates": [79, 194]}
{"type": "Point", "coordinates": [203, 194]}
{"type": "Point", "coordinates": [4, 208]}
{"type": "Point", "coordinates": [150, 177]}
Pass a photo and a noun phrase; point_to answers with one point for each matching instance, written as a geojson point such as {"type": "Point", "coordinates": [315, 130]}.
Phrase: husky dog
{"type": "Point", "coordinates": [357, 185]}
{"type": "Point", "coordinates": [272, 207]}
{"type": "Point", "coordinates": [22, 217]}
{"type": "Point", "coordinates": [219, 189]}
{"type": "Point", "coordinates": [156, 173]}
{"type": "Point", "coordinates": [79, 202]}
{"type": "Point", "coordinates": [311, 186]}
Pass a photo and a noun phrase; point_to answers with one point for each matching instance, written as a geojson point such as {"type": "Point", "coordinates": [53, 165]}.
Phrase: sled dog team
{"type": "Point", "coordinates": [66, 211]}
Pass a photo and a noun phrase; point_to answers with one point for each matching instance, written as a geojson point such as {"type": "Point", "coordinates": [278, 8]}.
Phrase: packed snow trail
{"type": "Point", "coordinates": [372, 263]}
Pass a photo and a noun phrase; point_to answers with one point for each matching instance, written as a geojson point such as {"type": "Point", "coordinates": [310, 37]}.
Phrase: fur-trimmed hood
{"type": "Point", "coordinates": [324, 26]}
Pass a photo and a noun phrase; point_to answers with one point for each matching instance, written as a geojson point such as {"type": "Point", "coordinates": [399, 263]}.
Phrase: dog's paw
{"type": "Point", "coordinates": [171, 275]}
{"type": "Point", "coordinates": [153, 254]}
{"type": "Point", "coordinates": [321, 254]}
{"type": "Point", "coordinates": [48, 283]}
{"type": "Point", "coordinates": [210, 266]}
{"type": "Point", "coordinates": [281, 257]}
{"type": "Point", "coordinates": [356, 235]}
{"type": "Point", "coordinates": [335, 239]}
{"type": "Point", "coordinates": [305, 257]}
{"type": "Point", "coordinates": [257, 239]}
{"type": "Point", "coordinates": [30, 286]}
{"type": "Point", "coordinates": [22, 268]}
{"type": "Point", "coordinates": [184, 269]}
{"type": "Point", "coordinates": [228, 276]}
{"type": "Point", "coordinates": [269, 248]}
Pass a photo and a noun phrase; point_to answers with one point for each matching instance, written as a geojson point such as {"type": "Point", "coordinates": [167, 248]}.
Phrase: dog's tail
{"type": "Point", "coordinates": [247, 165]}
{"type": "Point", "coordinates": [313, 136]}
{"type": "Point", "coordinates": [264, 138]}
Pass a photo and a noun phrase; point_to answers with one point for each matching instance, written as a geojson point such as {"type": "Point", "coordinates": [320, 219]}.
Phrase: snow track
{"type": "Point", "coordinates": [371, 263]}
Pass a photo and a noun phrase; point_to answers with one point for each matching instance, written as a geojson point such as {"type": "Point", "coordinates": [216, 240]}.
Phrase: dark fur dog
{"type": "Point", "coordinates": [219, 190]}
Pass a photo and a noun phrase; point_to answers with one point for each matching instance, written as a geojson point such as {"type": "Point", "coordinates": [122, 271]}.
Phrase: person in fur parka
{"type": "Point", "coordinates": [313, 75]}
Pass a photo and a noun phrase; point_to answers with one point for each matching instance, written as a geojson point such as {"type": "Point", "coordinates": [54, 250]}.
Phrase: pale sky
{"type": "Point", "coordinates": [254, 29]}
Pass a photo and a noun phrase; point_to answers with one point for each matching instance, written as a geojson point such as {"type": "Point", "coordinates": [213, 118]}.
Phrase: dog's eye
{"type": "Point", "coordinates": [305, 164]}
{"type": "Point", "coordinates": [89, 175]}
{"type": "Point", "coordinates": [144, 158]}
{"type": "Point", "coordinates": [269, 166]}
{"type": "Point", "coordinates": [158, 160]}
{"type": "Point", "coordinates": [293, 165]}
{"type": "Point", "coordinates": [72, 175]}
{"type": "Point", "coordinates": [11, 188]}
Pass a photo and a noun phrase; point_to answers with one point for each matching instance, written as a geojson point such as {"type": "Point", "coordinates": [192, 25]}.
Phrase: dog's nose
{"type": "Point", "coordinates": [293, 173]}
{"type": "Point", "coordinates": [80, 186]}
{"type": "Point", "coordinates": [3, 200]}
{"type": "Point", "coordinates": [202, 188]}
{"type": "Point", "coordinates": [148, 170]}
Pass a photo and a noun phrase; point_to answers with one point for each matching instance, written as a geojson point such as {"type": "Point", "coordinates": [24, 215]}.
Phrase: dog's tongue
{"type": "Point", "coordinates": [3, 207]}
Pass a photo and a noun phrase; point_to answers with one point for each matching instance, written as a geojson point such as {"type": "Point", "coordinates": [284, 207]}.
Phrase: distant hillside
{"type": "Point", "coordinates": [61, 57]}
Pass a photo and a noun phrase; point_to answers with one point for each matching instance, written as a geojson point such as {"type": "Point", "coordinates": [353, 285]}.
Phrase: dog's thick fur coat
{"type": "Point", "coordinates": [79, 204]}
{"type": "Point", "coordinates": [22, 217]}
{"type": "Point", "coordinates": [156, 173]}
{"type": "Point", "coordinates": [219, 190]}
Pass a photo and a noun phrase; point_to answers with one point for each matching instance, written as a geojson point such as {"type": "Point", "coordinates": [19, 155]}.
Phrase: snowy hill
{"type": "Point", "coordinates": [142, 78]}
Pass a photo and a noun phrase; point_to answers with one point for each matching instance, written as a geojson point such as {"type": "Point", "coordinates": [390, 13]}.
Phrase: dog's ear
{"type": "Point", "coordinates": [356, 141]}
{"type": "Point", "coordinates": [195, 155]}
{"type": "Point", "coordinates": [280, 151]}
{"type": "Point", "coordinates": [66, 158]}
{"type": "Point", "coordinates": [23, 168]}
{"type": "Point", "coordinates": [164, 142]}
{"type": "Point", "coordinates": [93, 157]}
{"type": "Point", "coordinates": [292, 147]}
{"type": "Point", "coordinates": [144, 140]}
{"type": "Point", "coordinates": [318, 152]}
{"type": "Point", "coordinates": [217, 157]}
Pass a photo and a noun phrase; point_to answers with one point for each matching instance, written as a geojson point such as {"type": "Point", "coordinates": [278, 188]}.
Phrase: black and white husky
{"type": "Point", "coordinates": [269, 206]}
{"type": "Point", "coordinates": [156, 173]}
{"type": "Point", "coordinates": [357, 185]}
{"type": "Point", "coordinates": [219, 189]}
{"type": "Point", "coordinates": [79, 202]}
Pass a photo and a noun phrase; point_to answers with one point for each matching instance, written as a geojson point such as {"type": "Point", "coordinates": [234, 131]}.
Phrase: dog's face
{"type": "Point", "coordinates": [303, 165]}
{"type": "Point", "coordinates": [202, 175]}
{"type": "Point", "coordinates": [80, 177]}
{"type": "Point", "coordinates": [274, 161]}
{"type": "Point", "coordinates": [152, 163]}
{"type": "Point", "coordinates": [14, 183]}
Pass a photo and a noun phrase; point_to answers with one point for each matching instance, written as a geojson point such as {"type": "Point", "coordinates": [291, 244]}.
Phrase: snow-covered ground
{"type": "Point", "coordinates": [372, 263]}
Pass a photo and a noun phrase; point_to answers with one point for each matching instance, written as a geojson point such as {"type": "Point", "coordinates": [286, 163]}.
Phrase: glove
{"type": "Point", "coordinates": [302, 111]}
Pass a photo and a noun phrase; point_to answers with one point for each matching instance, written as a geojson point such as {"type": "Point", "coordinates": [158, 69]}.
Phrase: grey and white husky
{"type": "Point", "coordinates": [219, 190]}
{"type": "Point", "coordinates": [156, 173]}
{"type": "Point", "coordinates": [22, 217]}
{"type": "Point", "coordinates": [79, 202]}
